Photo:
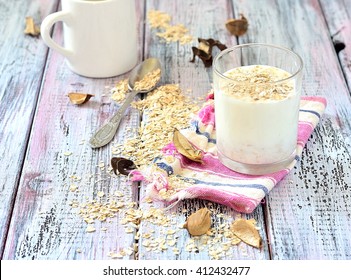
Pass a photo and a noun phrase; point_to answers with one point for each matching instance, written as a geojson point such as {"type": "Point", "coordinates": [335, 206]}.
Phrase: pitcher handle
{"type": "Point", "coordinates": [45, 31]}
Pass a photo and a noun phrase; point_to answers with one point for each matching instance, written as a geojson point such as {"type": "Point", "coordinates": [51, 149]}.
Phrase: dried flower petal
{"type": "Point", "coordinates": [31, 28]}
{"type": "Point", "coordinates": [204, 50]}
{"type": "Point", "coordinates": [246, 231]}
{"type": "Point", "coordinates": [122, 165]}
{"type": "Point", "coordinates": [90, 228]}
{"type": "Point", "coordinates": [185, 148]}
{"type": "Point", "coordinates": [199, 222]}
{"type": "Point", "coordinates": [205, 57]}
{"type": "Point", "coordinates": [237, 27]}
{"type": "Point", "coordinates": [79, 98]}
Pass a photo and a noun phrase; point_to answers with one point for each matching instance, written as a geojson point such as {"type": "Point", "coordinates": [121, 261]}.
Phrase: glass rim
{"type": "Point", "coordinates": [222, 53]}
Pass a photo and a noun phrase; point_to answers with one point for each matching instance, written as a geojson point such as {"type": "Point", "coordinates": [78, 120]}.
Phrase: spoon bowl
{"type": "Point", "coordinates": [147, 67]}
{"type": "Point", "coordinates": [138, 82]}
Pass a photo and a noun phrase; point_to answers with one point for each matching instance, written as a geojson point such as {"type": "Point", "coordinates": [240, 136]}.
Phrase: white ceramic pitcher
{"type": "Point", "coordinates": [100, 36]}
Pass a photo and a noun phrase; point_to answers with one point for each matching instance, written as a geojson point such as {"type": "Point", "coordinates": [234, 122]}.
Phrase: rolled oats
{"type": "Point", "coordinates": [170, 33]}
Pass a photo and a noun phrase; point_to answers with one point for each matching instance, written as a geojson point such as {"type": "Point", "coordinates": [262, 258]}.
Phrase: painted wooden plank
{"type": "Point", "coordinates": [204, 21]}
{"type": "Point", "coordinates": [45, 222]}
{"type": "Point", "coordinates": [308, 214]}
{"type": "Point", "coordinates": [337, 15]}
{"type": "Point", "coordinates": [22, 60]}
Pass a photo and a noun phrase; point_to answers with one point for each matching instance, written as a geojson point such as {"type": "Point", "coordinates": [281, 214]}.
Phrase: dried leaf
{"type": "Point", "coordinates": [79, 98]}
{"type": "Point", "coordinates": [246, 231]}
{"type": "Point", "coordinates": [205, 57]}
{"type": "Point", "coordinates": [122, 165]}
{"type": "Point", "coordinates": [185, 148]}
{"type": "Point", "coordinates": [205, 46]}
{"type": "Point", "coordinates": [235, 240]}
{"type": "Point", "coordinates": [214, 43]}
{"type": "Point", "coordinates": [31, 28]}
{"type": "Point", "coordinates": [204, 50]}
{"type": "Point", "coordinates": [199, 222]}
{"type": "Point", "coordinates": [237, 27]}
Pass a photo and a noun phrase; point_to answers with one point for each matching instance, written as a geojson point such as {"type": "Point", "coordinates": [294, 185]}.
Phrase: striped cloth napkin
{"type": "Point", "coordinates": [213, 181]}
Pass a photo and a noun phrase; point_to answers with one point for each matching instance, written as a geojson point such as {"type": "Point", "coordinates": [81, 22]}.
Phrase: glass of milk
{"type": "Point", "coordinates": [257, 91]}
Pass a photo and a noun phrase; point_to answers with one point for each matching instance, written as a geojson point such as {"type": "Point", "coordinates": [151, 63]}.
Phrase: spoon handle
{"type": "Point", "coordinates": [105, 134]}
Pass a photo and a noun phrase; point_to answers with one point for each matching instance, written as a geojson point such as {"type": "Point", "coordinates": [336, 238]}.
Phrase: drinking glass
{"type": "Point", "coordinates": [257, 90]}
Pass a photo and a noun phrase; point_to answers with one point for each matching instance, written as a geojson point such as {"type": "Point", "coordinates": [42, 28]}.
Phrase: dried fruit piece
{"type": "Point", "coordinates": [204, 50]}
{"type": "Point", "coordinates": [246, 231]}
{"type": "Point", "coordinates": [199, 222]}
{"type": "Point", "coordinates": [79, 98]}
{"type": "Point", "coordinates": [185, 148]}
{"type": "Point", "coordinates": [31, 28]}
{"type": "Point", "coordinates": [237, 27]}
{"type": "Point", "coordinates": [122, 165]}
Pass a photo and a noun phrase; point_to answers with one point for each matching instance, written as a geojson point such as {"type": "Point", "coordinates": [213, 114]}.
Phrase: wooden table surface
{"type": "Point", "coordinates": [306, 216]}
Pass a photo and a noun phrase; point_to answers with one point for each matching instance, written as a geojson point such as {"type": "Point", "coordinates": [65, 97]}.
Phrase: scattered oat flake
{"type": "Point", "coordinates": [90, 229]}
{"type": "Point", "coordinates": [171, 243]}
{"type": "Point", "coordinates": [146, 235]}
{"type": "Point", "coordinates": [67, 154]}
{"type": "Point", "coordinates": [148, 200]}
{"type": "Point", "coordinates": [170, 232]}
{"type": "Point", "coordinates": [176, 33]}
{"type": "Point", "coordinates": [75, 178]}
{"type": "Point", "coordinates": [149, 81]}
{"type": "Point", "coordinates": [158, 19]}
{"type": "Point", "coordinates": [74, 204]}
{"type": "Point", "coordinates": [73, 188]}
{"type": "Point", "coordinates": [89, 220]}
{"type": "Point", "coordinates": [169, 159]}
{"type": "Point", "coordinates": [128, 251]}
{"type": "Point", "coordinates": [176, 251]}
{"type": "Point", "coordinates": [170, 33]}
{"type": "Point", "coordinates": [118, 194]}
{"type": "Point", "coordinates": [129, 230]}
{"type": "Point", "coordinates": [120, 90]}
{"type": "Point", "coordinates": [165, 103]}
{"type": "Point", "coordinates": [116, 255]}
{"type": "Point", "coordinates": [100, 194]}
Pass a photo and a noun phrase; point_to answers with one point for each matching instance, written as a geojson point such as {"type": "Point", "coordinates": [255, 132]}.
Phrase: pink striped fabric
{"type": "Point", "coordinates": [213, 181]}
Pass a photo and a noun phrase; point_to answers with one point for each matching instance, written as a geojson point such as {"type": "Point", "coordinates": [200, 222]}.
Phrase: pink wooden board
{"type": "Point", "coordinates": [307, 216]}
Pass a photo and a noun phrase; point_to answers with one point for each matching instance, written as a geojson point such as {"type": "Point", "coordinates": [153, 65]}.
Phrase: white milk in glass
{"type": "Point", "coordinates": [257, 115]}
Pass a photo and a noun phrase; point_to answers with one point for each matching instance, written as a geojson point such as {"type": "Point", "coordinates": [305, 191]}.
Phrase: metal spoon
{"type": "Point", "coordinates": [106, 133]}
